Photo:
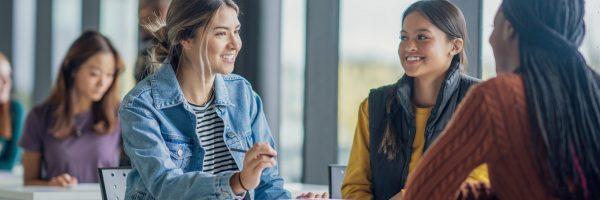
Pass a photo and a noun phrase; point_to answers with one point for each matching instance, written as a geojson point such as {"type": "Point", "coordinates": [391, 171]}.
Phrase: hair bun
{"type": "Point", "coordinates": [161, 36]}
{"type": "Point", "coordinates": [162, 46]}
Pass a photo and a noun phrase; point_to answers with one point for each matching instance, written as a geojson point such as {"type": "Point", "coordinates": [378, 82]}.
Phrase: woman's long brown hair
{"type": "Point", "coordinates": [104, 119]}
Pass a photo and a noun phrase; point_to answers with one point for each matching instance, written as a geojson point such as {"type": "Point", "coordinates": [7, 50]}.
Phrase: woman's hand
{"type": "Point", "coordinates": [31, 172]}
{"type": "Point", "coordinates": [311, 195]}
{"type": "Point", "coordinates": [258, 158]}
{"type": "Point", "coordinates": [63, 180]}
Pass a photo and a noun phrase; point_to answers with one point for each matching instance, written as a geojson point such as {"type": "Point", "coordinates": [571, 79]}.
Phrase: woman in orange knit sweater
{"type": "Point", "coordinates": [540, 119]}
{"type": "Point", "coordinates": [398, 122]}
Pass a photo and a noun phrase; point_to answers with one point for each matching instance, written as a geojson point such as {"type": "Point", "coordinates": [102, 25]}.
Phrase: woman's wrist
{"type": "Point", "coordinates": [241, 182]}
{"type": "Point", "coordinates": [236, 185]}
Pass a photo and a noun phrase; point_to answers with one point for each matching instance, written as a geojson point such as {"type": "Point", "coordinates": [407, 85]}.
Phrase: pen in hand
{"type": "Point", "coordinates": [244, 151]}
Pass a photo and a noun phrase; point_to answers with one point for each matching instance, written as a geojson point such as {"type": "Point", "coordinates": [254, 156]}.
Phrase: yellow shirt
{"type": "Point", "coordinates": [357, 181]}
{"type": "Point", "coordinates": [421, 116]}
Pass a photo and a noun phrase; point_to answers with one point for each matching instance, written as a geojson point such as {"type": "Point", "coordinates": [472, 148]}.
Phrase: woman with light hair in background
{"type": "Point", "coordinates": [11, 119]}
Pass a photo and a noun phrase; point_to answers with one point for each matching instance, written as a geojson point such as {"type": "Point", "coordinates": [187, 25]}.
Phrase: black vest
{"type": "Point", "coordinates": [389, 176]}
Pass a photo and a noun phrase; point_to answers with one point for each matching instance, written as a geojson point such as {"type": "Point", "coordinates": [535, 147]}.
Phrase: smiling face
{"type": "Point", "coordinates": [5, 80]}
{"type": "Point", "coordinates": [424, 49]}
{"type": "Point", "coordinates": [223, 42]}
{"type": "Point", "coordinates": [95, 76]}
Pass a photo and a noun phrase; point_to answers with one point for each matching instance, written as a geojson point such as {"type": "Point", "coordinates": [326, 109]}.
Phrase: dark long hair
{"type": "Point", "coordinates": [563, 94]}
{"type": "Point", "coordinates": [450, 20]}
{"type": "Point", "coordinates": [104, 118]}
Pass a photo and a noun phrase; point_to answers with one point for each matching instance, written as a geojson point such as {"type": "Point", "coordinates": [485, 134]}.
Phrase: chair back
{"type": "Point", "coordinates": [113, 181]}
{"type": "Point", "coordinates": [336, 177]}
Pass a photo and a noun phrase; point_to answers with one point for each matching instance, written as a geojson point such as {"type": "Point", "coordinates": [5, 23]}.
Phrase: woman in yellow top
{"type": "Point", "coordinates": [398, 122]}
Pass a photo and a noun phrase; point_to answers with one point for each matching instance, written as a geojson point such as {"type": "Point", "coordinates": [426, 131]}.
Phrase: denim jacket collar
{"type": "Point", "coordinates": [166, 91]}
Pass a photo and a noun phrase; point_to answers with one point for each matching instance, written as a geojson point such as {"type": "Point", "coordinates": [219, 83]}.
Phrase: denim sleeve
{"type": "Point", "coordinates": [271, 183]}
{"type": "Point", "coordinates": [149, 155]}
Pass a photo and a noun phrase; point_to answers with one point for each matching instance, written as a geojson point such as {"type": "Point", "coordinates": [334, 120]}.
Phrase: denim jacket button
{"type": "Point", "coordinates": [230, 135]}
{"type": "Point", "coordinates": [180, 152]}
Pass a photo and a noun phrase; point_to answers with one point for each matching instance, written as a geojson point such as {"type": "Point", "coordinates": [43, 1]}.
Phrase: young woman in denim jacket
{"type": "Point", "coordinates": [165, 131]}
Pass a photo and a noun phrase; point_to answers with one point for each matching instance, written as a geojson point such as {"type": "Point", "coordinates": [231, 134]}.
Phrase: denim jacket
{"type": "Point", "coordinates": [159, 134]}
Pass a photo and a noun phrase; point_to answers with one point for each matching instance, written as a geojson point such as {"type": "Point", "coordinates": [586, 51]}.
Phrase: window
{"type": "Point", "coordinates": [369, 39]}
{"type": "Point", "coordinates": [293, 27]}
{"type": "Point", "coordinates": [66, 16]}
{"type": "Point", "coordinates": [488, 63]}
{"type": "Point", "coordinates": [119, 22]}
{"type": "Point", "coordinates": [24, 50]}
{"type": "Point", "coordinates": [590, 46]}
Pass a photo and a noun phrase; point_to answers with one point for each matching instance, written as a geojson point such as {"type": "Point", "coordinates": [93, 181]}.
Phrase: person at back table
{"type": "Point", "coordinates": [536, 125]}
{"type": "Point", "coordinates": [76, 130]}
{"type": "Point", "coordinates": [11, 119]}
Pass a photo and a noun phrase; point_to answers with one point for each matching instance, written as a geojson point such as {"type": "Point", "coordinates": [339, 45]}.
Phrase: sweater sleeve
{"type": "Point", "coordinates": [357, 180]}
{"type": "Point", "coordinates": [465, 144]}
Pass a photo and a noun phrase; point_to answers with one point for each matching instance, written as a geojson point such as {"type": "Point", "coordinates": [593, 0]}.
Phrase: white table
{"type": "Point", "coordinates": [298, 188]}
{"type": "Point", "coordinates": [11, 187]}
{"type": "Point", "coordinates": [7, 179]}
{"type": "Point", "coordinates": [80, 192]}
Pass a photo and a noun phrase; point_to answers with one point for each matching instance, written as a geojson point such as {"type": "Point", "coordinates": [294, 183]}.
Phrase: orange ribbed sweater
{"type": "Point", "coordinates": [490, 126]}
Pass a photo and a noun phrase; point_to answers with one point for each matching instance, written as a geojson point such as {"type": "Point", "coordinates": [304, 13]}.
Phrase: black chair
{"type": "Point", "coordinates": [336, 177]}
{"type": "Point", "coordinates": [113, 181]}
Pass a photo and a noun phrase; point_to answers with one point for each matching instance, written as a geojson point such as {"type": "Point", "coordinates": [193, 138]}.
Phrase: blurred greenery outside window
{"type": "Point", "coordinates": [369, 39]}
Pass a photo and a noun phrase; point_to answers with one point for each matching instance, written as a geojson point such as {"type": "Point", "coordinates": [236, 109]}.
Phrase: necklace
{"type": "Point", "coordinates": [81, 125]}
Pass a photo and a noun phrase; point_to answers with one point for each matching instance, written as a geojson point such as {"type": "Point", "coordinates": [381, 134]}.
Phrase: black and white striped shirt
{"type": "Point", "coordinates": [209, 128]}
